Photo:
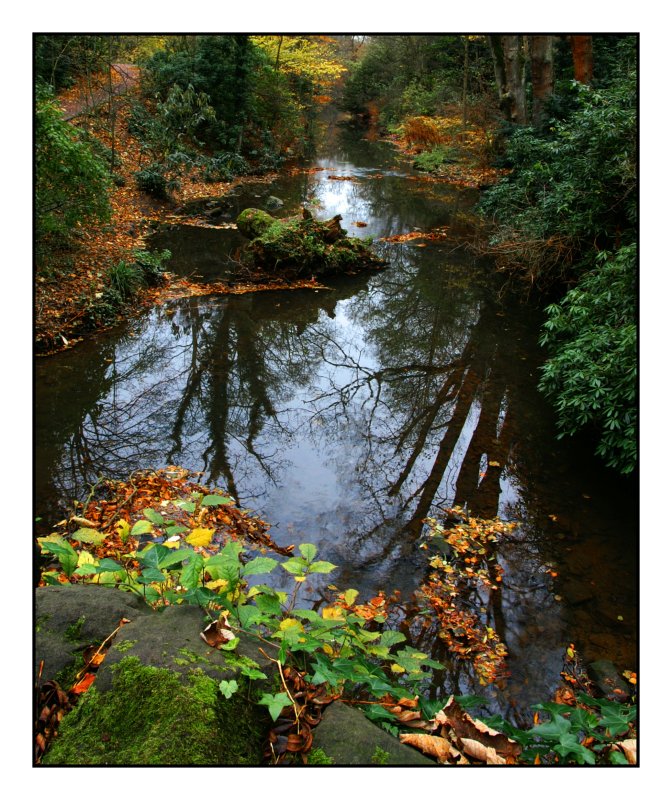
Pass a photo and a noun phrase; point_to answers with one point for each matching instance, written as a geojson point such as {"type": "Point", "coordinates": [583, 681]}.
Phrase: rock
{"type": "Point", "coordinates": [253, 222]}
{"type": "Point", "coordinates": [156, 697]}
{"type": "Point", "coordinates": [608, 680]}
{"type": "Point", "coordinates": [348, 738]}
{"type": "Point", "coordinates": [273, 203]}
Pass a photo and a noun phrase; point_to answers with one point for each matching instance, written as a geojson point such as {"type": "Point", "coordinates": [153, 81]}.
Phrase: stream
{"type": "Point", "coordinates": [346, 417]}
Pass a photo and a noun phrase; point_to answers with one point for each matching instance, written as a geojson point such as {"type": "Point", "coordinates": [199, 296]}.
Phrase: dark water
{"type": "Point", "coordinates": [344, 418]}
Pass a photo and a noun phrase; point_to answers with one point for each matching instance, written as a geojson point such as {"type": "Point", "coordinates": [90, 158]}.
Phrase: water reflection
{"type": "Point", "coordinates": [347, 417]}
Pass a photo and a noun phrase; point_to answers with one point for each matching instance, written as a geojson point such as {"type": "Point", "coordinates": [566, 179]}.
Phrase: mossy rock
{"type": "Point", "coordinates": [302, 245]}
{"type": "Point", "coordinates": [153, 716]}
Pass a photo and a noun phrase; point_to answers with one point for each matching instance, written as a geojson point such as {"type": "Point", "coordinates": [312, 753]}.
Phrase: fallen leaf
{"type": "Point", "coordinates": [628, 748]}
{"type": "Point", "coordinates": [434, 746]}
{"type": "Point", "coordinates": [481, 752]}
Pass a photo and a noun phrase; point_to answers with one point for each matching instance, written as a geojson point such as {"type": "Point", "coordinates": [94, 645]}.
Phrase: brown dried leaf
{"type": "Point", "coordinates": [467, 728]}
{"type": "Point", "coordinates": [629, 749]}
{"type": "Point", "coordinates": [434, 746]}
{"type": "Point", "coordinates": [218, 632]}
{"type": "Point", "coordinates": [481, 752]}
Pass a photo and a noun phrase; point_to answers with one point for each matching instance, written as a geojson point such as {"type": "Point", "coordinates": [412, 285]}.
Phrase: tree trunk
{"type": "Point", "coordinates": [465, 82]}
{"type": "Point", "coordinates": [582, 55]}
{"type": "Point", "coordinates": [514, 68]}
{"type": "Point", "coordinates": [541, 69]}
{"type": "Point", "coordinates": [510, 76]}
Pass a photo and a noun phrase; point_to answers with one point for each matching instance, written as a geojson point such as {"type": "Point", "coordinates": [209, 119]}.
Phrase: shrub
{"type": "Point", "coordinates": [591, 375]}
{"type": "Point", "coordinates": [71, 183]}
{"type": "Point", "coordinates": [124, 278]}
{"type": "Point", "coordinates": [151, 265]}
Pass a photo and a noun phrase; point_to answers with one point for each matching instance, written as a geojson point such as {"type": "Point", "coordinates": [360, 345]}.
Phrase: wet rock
{"type": "Point", "coordinates": [609, 682]}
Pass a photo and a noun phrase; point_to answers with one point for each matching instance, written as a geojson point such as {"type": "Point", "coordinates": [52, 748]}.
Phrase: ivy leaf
{"type": "Point", "coordinates": [252, 674]}
{"type": "Point", "coordinates": [228, 688]}
{"type": "Point", "coordinates": [108, 565]}
{"type": "Point", "coordinates": [275, 703]}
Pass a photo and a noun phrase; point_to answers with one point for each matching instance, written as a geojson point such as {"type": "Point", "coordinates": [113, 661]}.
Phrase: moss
{"type": "Point", "coordinates": [127, 644]}
{"type": "Point", "coordinates": [318, 756]}
{"type": "Point", "coordinates": [151, 716]}
{"type": "Point", "coordinates": [73, 633]}
{"type": "Point", "coordinates": [380, 756]}
{"type": "Point", "coordinates": [40, 621]}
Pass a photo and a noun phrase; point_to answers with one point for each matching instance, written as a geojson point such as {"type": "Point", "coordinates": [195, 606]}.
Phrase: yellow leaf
{"type": "Point", "coordinates": [85, 558]}
{"type": "Point", "coordinates": [290, 623]}
{"type": "Point", "coordinates": [397, 668]}
{"type": "Point", "coordinates": [173, 543]}
{"type": "Point", "coordinates": [328, 649]}
{"type": "Point", "coordinates": [201, 537]}
{"type": "Point", "coordinates": [299, 578]}
{"type": "Point", "coordinates": [332, 613]}
{"type": "Point", "coordinates": [350, 596]}
{"type": "Point", "coordinates": [123, 529]}
{"type": "Point", "coordinates": [221, 583]}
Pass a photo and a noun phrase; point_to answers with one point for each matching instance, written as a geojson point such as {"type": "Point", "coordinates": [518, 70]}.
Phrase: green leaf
{"type": "Point", "coordinates": [141, 527]}
{"type": "Point", "coordinates": [252, 673]}
{"type": "Point", "coordinates": [377, 712]}
{"type": "Point", "coordinates": [295, 566]}
{"type": "Point", "coordinates": [154, 517]}
{"type": "Point", "coordinates": [308, 551]}
{"type": "Point", "coordinates": [108, 565]}
{"type": "Point", "coordinates": [186, 505]}
{"type": "Point", "coordinates": [616, 757]}
{"type": "Point", "coordinates": [191, 574]}
{"type": "Point", "coordinates": [275, 703]}
{"type": "Point", "coordinates": [321, 566]}
{"type": "Point", "coordinates": [89, 536]}
{"type": "Point", "coordinates": [152, 575]}
{"type": "Point", "coordinates": [231, 644]}
{"type": "Point", "coordinates": [228, 688]}
{"type": "Point", "coordinates": [389, 638]}
{"type": "Point", "coordinates": [259, 566]}
{"type": "Point", "coordinates": [216, 500]}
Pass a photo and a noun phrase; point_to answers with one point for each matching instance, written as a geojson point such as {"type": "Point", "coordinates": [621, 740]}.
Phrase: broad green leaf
{"type": "Point", "coordinates": [67, 556]}
{"type": "Point", "coordinates": [553, 729]}
{"type": "Point", "coordinates": [268, 604]}
{"type": "Point", "coordinates": [173, 557]}
{"type": "Point", "coordinates": [259, 566]}
{"type": "Point", "coordinates": [228, 688]}
{"type": "Point", "coordinates": [154, 517]}
{"type": "Point", "coordinates": [389, 638]}
{"type": "Point", "coordinates": [141, 527]}
{"type": "Point", "coordinates": [295, 566]}
{"type": "Point", "coordinates": [89, 536]}
{"type": "Point", "coordinates": [108, 565]}
{"type": "Point", "coordinates": [321, 567]}
{"type": "Point", "coordinates": [86, 569]}
{"type": "Point", "coordinates": [231, 644]}
{"type": "Point", "coordinates": [191, 574]}
{"type": "Point", "coordinates": [308, 551]}
{"type": "Point", "coordinates": [216, 500]}
{"type": "Point", "coordinates": [616, 757]}
{"type": "Point", "coordinates": [186, 505]}
{"type": "Point", "coordinates": [152, 575]}
{"type": "Point", "coordinates": [275, 703]}
{"type": "Point", "coordinates": [568, 745]}
{"type": "Point", "coordinates": [201, 537]}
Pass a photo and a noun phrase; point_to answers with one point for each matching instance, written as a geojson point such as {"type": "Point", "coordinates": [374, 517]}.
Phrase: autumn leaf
{"type": "Point", "coordinates": [435, 746]}
{"type": "Point", "coordinates": [201, 537]}
{"type": "Point", "coordinates": [481, 752]}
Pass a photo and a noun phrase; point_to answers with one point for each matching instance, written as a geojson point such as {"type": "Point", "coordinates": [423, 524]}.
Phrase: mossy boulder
{"type": "Point", "coordinates": [151, 716]}
{"type": "Point", "coordinates": [303, 246]}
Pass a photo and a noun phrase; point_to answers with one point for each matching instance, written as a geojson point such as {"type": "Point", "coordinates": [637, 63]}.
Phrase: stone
{"type": "Point", "coordinates": [348, 738]}
{"type": "Point", "coordinates": [273, 203]}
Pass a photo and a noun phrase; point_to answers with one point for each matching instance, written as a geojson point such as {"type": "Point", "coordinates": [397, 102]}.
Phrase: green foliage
{"type": "Point", "coordinates": [591, 375]}
{"type": "Point", "coordinates": [574, 188]}
{"type": "Point", "coordinates": [380, 756]}
{"type": "Point", "coordinates": [346, 651]}
{"type": "Point", "coordinates": [71, 183]}
{"type": "Point", "coordinates": [317, 756]}
{"type": "Point", "coordinates": [564, 735]}
{"type": "Point", "coordinates": [124, 278]}
{"type": "Point", "coordinates": [432, 160]}
{"type": "Point", "coordinates": [151, 265]}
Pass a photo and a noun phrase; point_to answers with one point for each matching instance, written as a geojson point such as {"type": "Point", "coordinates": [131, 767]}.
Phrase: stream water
{"type": "Point", "coordinates": [346, 417]}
